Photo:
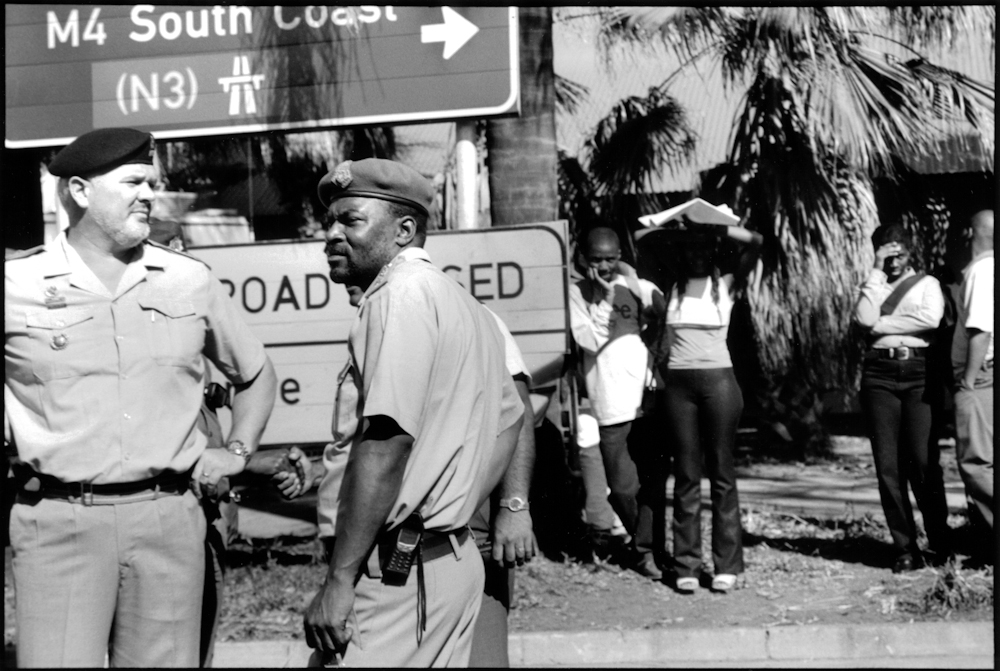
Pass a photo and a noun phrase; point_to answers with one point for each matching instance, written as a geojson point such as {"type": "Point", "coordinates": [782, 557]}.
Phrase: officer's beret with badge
{"type": "Point", "coordinates": [102, 150]}
{"type": "Point", "coordinates": [377, 178]}
{"type": "Point", "coordinates": [686, 219]}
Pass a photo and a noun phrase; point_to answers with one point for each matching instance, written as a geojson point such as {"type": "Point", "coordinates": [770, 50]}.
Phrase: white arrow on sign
{"type": "Point", "coordinates": [454, 32]}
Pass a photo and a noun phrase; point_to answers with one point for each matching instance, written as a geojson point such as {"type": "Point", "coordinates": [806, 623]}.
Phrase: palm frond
{"type": "Point", "coordinates": [686, 30]}
{"type": "Point", "coordinates": [569, 94]}
{"type": "Point", "coordinates": [577, 201]}
{"type": "Point", "coordinates": [638, 139]}
{"type": "Point", "coordinates": [944, 25]}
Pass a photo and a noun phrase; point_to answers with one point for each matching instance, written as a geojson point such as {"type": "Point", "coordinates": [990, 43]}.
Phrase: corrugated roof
{"type": "Point", "coordinates": [711, 112]}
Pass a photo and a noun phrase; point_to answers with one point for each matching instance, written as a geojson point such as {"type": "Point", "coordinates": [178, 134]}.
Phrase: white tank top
{"type": "Point", "coordinates": [699, 325]}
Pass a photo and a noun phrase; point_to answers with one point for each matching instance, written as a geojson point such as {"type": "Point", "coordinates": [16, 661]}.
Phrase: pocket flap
{"type": "Point", "coordinates": [60, 318]}
{"type": "Point", "coordinates": [167, 307]}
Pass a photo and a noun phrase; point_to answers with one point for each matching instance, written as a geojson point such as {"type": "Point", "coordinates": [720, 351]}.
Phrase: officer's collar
{"type": "Point", "coordinates": [408, 254]}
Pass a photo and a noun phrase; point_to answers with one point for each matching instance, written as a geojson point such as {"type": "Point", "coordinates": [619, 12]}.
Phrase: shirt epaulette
{"type": "Point", "coordinates": [167, 248]}
{"type": "Point", "coordinates": [23, 253]}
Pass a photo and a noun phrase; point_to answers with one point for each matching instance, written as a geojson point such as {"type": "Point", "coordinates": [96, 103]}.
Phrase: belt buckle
{"type": "Point", "coordinates": [86, 494]}
{"type": "Point", "coordinates": [902, 353]}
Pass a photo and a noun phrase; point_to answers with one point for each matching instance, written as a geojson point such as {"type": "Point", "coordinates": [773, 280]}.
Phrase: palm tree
{"type": "Point", "coordinates": [522, 150]}
{"type": "Point", "coordinates": [825, 112]}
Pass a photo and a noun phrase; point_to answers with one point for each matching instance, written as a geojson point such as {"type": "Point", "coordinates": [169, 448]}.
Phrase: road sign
{"type": "Point", "coordinates": [186, 71]}
{"type": "Point", "coordinates": [283, 292]}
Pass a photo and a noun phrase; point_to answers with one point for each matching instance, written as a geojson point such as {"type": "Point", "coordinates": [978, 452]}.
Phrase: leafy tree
{"type": "Point", "coordinates": [826, 111]}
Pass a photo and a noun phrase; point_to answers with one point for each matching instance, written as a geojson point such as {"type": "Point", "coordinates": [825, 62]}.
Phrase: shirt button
{"type": "Point", "coordinates": [128, 416]}
{"type": "Point", "coordinates": [119, 338]}
{"type": "Point", "coordinates": [127, 456]}
{"type": "Point", "coordinates": [124, 376]}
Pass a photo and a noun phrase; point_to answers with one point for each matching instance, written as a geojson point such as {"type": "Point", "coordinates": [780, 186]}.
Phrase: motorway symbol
{"type": "Point", "coordinates": [241, 80]}
{"type": "Point", "coordinates": [454, 32]}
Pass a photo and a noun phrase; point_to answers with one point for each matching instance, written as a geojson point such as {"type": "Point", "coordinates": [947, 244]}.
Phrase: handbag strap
{"type": "Point", "coordinates": [892, 302]}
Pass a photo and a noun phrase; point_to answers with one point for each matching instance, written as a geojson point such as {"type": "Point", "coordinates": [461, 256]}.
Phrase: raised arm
{"type": "Point", "coordinates": [589, 320]}
{"type": "Point", "coordinates": [751, 243]}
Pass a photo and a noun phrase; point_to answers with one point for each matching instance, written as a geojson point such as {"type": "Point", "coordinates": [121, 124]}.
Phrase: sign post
{"type": "Point", "coordinates": [187, 71]}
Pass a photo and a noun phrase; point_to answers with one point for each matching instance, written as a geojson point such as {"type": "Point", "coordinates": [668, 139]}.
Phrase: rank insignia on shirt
{"type": "Point", "coordinates": [52, 298]}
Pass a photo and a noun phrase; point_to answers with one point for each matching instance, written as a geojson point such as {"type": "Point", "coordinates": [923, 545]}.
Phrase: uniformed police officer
{"type": "Point", "coordinates": [426, 419]}
{"type": "Point", "coordinates": [105, 336]}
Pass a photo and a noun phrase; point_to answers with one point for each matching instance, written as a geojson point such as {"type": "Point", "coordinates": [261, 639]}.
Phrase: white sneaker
{"type": "Point", "coordinates": [723, 582]}
{"type": "Point", "coordinates": [687, 585]}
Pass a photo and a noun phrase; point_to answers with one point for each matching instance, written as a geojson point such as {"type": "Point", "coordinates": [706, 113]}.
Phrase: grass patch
{"type": "Point", "coordinates": [955, 590]}
{"type": "Point", "coordinates": [269, 584]}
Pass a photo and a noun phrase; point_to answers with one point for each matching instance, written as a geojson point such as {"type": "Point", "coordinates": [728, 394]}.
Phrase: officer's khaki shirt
{"type": "Point", "coordinates": [107, 388]}
{"type": "Point", "coordinates": [424, 352]}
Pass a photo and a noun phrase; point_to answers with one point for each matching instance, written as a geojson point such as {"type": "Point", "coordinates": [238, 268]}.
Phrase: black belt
{"type": "Point", "coordinates": [898, 353]}
{"type": "Point", "coordinates": [47, 486]}
{"type": "Point", "coordinates": [433, 544]}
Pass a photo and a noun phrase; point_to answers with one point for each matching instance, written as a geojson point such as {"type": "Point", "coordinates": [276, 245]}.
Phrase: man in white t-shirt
{"type": "Point", "coordinates": [972, 362]}
{"type": "Point", "coordinates": [608, 311]}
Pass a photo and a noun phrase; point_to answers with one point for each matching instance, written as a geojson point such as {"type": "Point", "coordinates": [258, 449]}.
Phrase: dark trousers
{"type": "Point", "coordinates": [489, 638]}
{"type": "Point", "coordinates": [636, 463]}
{"type": "Point", "coordinates": [702, 409]}
{"type": "Point", "coordinates": [898, 418]}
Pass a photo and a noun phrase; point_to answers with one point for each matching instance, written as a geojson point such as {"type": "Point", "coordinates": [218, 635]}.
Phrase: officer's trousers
{"type": "Point", "coordinates": [387, 634]}
{"type": "Point", "coordinates": [124, 580]}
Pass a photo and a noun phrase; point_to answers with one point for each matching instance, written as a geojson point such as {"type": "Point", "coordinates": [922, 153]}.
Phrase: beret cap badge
{"type": "Point", "coordinates": [342, 175]}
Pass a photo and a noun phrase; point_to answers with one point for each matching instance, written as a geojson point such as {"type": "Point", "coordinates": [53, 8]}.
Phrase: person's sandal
{"type": "Point", "coordinates": [687, 585]}
{"type": "Point", "coordinates": [723, 582]}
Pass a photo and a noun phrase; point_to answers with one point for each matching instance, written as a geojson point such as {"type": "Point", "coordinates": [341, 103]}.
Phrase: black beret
{"type": "Point", "coordinates": [377, 178]}
{"type": "Point", "coordinates": [102, 150]}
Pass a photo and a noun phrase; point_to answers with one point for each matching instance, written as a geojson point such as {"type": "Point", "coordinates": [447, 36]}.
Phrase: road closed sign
{"type": "Point", "coordinates": [187, 71]}
{"type": "Point", "coordinates": [285, 295]}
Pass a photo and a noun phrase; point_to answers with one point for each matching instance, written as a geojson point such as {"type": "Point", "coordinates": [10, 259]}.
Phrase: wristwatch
{"type": "Point", "coordinates": [514, 504]}
{"type": "Point", "coordinates": [239, 449]}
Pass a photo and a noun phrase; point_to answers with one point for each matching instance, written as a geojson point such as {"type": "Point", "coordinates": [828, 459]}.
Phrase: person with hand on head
{"type": "Point", "coordinates": [703, 399]}
{"type": "Point", "coordinates": [901, 310]}
{"type": "Point", "coordinates": [609, 311]}
{"type": "Point", "coordinates": [972, 362]}
{"type": "Point", "coordinates": [417, 447]}
{"type": "Point", "coordinates": [104, 377]}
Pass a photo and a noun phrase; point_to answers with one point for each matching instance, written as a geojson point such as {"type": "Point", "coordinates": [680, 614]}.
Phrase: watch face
{"type": "Point", "coordinates": [515, 503]}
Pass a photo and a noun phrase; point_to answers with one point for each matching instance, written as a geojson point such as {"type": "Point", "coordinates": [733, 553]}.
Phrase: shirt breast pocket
{"type": "Point", "coordinates": [175, 334]}
{"type": "Point", "coordinates": [59, 342]}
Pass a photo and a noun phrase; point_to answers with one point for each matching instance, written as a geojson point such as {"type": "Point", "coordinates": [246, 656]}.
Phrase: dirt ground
{"type": "Point", "coordinates": [798, 571]}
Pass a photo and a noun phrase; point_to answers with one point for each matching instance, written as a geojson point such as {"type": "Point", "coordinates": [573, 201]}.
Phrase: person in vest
{"type": "Point", "coordinates": [901, 309]}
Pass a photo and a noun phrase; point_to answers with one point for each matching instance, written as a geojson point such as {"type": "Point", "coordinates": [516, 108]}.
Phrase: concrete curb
{"type": "Point", "coordinates": [864, 644]}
